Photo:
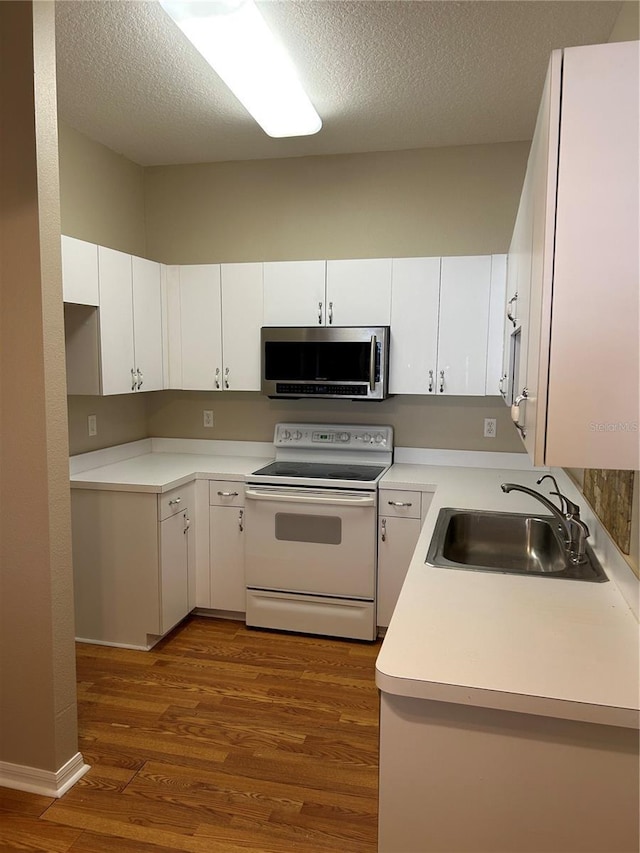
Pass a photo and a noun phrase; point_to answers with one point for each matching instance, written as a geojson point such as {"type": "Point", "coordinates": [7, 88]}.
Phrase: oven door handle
{"type": "Point", "coordinates": [331, 500]}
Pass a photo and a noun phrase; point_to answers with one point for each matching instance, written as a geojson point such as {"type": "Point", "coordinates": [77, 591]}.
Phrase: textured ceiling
{"type": "Point", "coordinates": [382, 75]}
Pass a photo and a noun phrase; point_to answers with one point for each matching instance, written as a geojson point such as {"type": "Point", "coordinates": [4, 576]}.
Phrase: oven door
{"type": "Point", "coordinates": [311, 541]}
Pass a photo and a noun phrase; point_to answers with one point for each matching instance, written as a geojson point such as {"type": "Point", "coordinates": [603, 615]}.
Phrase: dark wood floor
{"type": "Point", "coordinates": [220, 739]}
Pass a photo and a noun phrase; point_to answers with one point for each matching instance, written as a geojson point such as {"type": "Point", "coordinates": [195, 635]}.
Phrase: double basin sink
{"type": "Point", "coordinates": [511, 543]}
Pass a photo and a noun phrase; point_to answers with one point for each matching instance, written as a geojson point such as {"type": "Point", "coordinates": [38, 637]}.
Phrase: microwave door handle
{"type": "Point", "coordinates": [372, 363]}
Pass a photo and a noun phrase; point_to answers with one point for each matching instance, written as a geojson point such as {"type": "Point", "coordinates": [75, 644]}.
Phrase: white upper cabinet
{"type": "Point", "coordinates": [440, 324]}
{"type": "Point", "coordinates": [359, 292]}
{"type": "Point", "coordinates": [130, 323]}
{"type": "Point", "coordinates": [147, 324]}
{"type": "Point", "coordinates": [328, 293]}
{"type": "Point", "coordinates": [294, 293]}
{"type": "Point", "coordinates": [79, 271]}
{"type": "Point", "coordinates": [116, 323]}
{"type": "Point", "coordinates": [579, 392]}
{"type": "Point", "coordinates": [464, 324]}
{"type": "Point", "coordinates": [214, 335]}
{"type": "Point", "coordinates": [415, 298]}
{"type": "Point", "coordinates": [242, 310]}
{"type": "Point", "coordinates": [495, 343]}
{"type": "Point", "coordinates": [200, 327]}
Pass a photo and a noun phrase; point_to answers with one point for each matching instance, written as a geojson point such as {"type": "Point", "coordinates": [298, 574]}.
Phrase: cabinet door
{"type": "Point", "coordinates": [415, 296]}
{"type": "Point", "coordinates": [539, 193]}
{"type": "Point", "coordinates": [495, 344]}
{"type": "Point", "coordinates": [594, 366]}
{"type": "Point", "coordinates": [201, 327]}
{"type": "Point", "coordinates": [241, 322]}
{"type": "Point", "coordinates": [174, 570]}
{"type": "Point", "coordinates": [359, 292]}
{"type": "Point", "coordinates": [79, 271]}
{"type": "Point", "coordinates": [464, 324]}
{"type": "Point", "coordinates": [397, 539]}
{"type": "Point", "coordinates": [226, 558]}
{"type": "Point", "coordinates": [294, 293]}
{"type": "Point", "coordinates": [116, 322]}
{"type": "Point", "coordinates": [147, 324]}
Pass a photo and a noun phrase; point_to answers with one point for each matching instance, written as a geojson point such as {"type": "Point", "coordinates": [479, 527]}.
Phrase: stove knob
{"type": "Point", "coordinates": [379, 438]}
{"type": "Point", "coordinates": [366, 437]}
{"type": "Point", "coordinates": [286, 435]}
{"type": "Point", "coordinates": [343, 436]}
{"type": "Point", "coordinates": [297, 435]}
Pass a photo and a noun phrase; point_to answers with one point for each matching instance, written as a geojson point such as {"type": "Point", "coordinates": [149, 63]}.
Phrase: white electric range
{"type": "Point", "coordinates": [310, 550]}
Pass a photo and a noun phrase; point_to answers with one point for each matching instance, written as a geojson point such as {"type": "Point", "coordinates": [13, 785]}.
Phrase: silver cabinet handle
{"type": "Point", "coordinates": [228, 494]}
{"type": "Point", "coordinates": [187, 523]}
{"type": "Point", "coordinates": [431, 381]}
{"type": "Point", "coordinates": [441, 389]}
{"type": "Point", "coordinates": [372, 363]}
{"type": "Point", "coordinates": [383, 524]}
{"type": "Point", "coordinates": [140, 378]}
{"type": "Point", "coordinates": [175, 501]}
{"type": "Point", "coordinates": [510, 315]}
{"type": "Point", "coordinates": [515, 411]}
{"type": "Point", "coordinates": [399, 503]}
{"type": "Point", "coordinates": [241, 520]}
{"type": "Point", "coordinates": [226, 377]}
{"type": "Point", "coordinates": [134, 381]}
{"type": "Point", "coordinates": [320, 313]}
{"type": "Point", "coordinates": [501, 383]}
{"type": "Point", "coordinates": [217, 378]}
{"type": "Point", "coordinates": [330, 313]}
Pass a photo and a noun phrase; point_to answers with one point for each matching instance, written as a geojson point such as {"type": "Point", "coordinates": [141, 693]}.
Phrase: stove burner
{"type": "Point", "coordinates": [321, 471]}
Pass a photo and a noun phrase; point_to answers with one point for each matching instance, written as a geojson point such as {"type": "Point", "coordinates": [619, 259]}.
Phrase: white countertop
{"type": "Point", "coordinates": [546, 646]}
{"type": "Point", "coordinates": [160, 472]}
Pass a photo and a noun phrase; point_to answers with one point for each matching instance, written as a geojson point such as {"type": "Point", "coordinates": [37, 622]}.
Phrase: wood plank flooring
{"type": "Point", "coordinates": [219, 740]}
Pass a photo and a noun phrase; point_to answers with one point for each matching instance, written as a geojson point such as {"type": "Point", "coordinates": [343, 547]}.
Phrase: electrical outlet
{"type": "Point", "coordinates": [490, 428]}
{"type": "Point", "coordinates": [207, 418]}
{"type": "Point", "coordinates": [92, 424]}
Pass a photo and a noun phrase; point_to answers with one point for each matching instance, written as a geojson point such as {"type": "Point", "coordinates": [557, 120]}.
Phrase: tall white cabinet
{"type": "Point", "coordinates": [577, 247]}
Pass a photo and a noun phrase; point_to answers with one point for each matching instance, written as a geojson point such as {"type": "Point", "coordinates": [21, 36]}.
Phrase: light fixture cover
{"type": "Point", "coordinates": [235, 40]}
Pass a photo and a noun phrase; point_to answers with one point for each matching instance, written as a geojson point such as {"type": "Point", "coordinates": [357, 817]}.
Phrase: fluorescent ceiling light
{"type": "Point", "coordinates": [235, 40]}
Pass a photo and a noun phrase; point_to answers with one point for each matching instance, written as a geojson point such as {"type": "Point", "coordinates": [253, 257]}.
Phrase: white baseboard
{"type": "Point", "coordinates": [48, 783]}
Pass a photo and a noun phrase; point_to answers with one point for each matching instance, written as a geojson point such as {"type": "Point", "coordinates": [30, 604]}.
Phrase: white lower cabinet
{"type": "Point", "coordinates": [131, 554]}
{"type": "Point", "coordinates": [226, 546]}
{"type": "Point", "coordinates": [400, 515]}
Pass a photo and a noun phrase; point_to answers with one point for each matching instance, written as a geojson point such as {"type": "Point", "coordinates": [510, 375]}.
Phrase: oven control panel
{"type": "Point", "coordinates": [337, 436]}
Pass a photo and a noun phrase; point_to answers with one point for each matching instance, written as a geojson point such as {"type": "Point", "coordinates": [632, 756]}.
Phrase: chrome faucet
{"type": "Point", "coordinates": [575, 530]}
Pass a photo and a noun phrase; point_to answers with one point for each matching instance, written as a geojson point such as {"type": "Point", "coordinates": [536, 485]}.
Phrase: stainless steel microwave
{"type": "Point", "coordinates": [339, 362]}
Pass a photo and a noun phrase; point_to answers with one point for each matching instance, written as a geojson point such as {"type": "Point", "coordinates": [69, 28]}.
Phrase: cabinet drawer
{"type": "Point", "coordinates": [397, 502]}
{"type": "Point", "coordinates": [172, 502]}
{"type": "Point", "coordinates": [226, 493]}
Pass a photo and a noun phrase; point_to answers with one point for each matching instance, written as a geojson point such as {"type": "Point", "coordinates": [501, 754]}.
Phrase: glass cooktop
{"type": "Point", "coordinates": [321, 471]}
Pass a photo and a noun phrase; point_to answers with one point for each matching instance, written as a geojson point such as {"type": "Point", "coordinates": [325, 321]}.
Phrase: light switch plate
{"type": "Point", "coordinates": [207, 418]}
{"type": "Point", "coordinates": [92, 424]}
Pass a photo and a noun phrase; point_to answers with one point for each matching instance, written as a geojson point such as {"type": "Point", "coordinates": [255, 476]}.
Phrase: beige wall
{"type": "Point", "coordinates": [437, 201]}
{"type": "Point", "coordinates": [627, 25]}
{"type": "Point", "coordinates": [454, 422]}
{"type": "Point", "coordinates": [101, 194]}
{"type": "Point", "coordinates": [38, 726]}
{"type": "Point", "coordinates": [102, 201]}
{"type": "Point", "coordinates": [407, 203]}
{"type": "Point", "coordinates": [119, 419]}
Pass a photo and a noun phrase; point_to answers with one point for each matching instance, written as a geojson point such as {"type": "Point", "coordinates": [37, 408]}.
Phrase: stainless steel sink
{"type": "Point", "coordinates": [511, 543]}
